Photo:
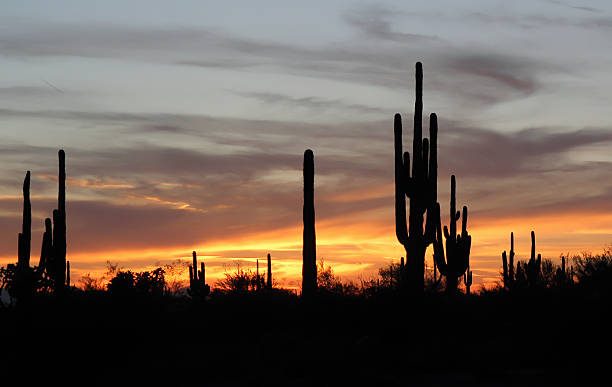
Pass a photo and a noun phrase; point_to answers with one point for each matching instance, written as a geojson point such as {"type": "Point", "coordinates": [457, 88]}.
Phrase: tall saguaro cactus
{"type": "Point", "coordinates": [309, 249]}
{"type": "Point", "coordinates": [23, 274]}
{"type": "Point", "coordinates": [269, 273]}
{"type": "Point", "coordinates": [457, 245]}
{"type": "Point", "coordinates": [419, 185]}
{"type": "Point", "coordinates": [25, 236]}
{"type": "Point", "coordinates": [59, 228]}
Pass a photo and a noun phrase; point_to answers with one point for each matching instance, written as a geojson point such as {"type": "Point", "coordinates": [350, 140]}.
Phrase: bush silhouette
{"type": "Point", "coordinates": [128, 283]}
{"type": "Point", "coordinates": [240, 281]}
{"type": "Point", "coordinates": [594, 272]}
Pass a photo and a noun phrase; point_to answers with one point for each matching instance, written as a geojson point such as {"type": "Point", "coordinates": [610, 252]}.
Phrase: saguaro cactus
{"type": "Point", "coordinates": [467, 280]}
{"type": "Point", "coordinates": [508, 264]}
{"type": "Point", "coordinates": [457, 246]}
{"type": "Point", "coordinates": [46, 251]}
{"type": "Point", "coordinates": [269, 273]}
{"type": "Point", "coordinates": [23, 275]}
{"type": "Point", "coordinates": [309, 249]}
{"type": "Point", "coordinates": [25, 236]}
{"type": "Point", "coordinates": [420, 187]}
{"type": "Point", "coordinates": [197, 280]}
{"type": "Point", "coordinates": [533, 268]}
{"type": "Point", "coordinates": [59, 228]}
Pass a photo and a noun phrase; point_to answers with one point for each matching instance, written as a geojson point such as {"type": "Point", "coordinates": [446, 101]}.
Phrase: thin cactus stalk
{"type": "Point", "coordinates": [257, 280]}
{"type": "Point", "coordinates": [23, 277]}
{"type": "Point", "coordinates": [458, 246]}
{"type": "Point", "coordinates": [309, 255]}
{"type": "Point", "coordinates": [508, 265]}
{"type": "Point", "coordinates": [59, 228]}
{"type": "Point", "coordinates": [419, 185]}
{"type": "Point", "coordinates": [269, 273]}
{"type": "Point", "coordinates": [202, 273]}
{"type": "Point", "coordinates": [25, 237]}
{"type": "Point", "coordinates": [46, 251]}
{"type": "Point", "coordinates": [68, 274]}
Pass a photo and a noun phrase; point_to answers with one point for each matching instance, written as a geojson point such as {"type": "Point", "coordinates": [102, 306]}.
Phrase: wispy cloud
{"type": "Point", "coordinates": [311, 103]}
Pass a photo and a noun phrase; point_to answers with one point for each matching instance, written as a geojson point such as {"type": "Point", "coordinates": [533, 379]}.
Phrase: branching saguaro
{"type": "Point", "coordinates": [508, 264]}
{"type": "Point", "coordinates": [309, 249]}
{"type": "Point", "coordinates": [458, 246]}
{"type": "Point", "coordinates": [419, 184]}
{"type": "Point", "coordinates": [197, 279]}
{"type": "Point", "coordinates": [533, 268]}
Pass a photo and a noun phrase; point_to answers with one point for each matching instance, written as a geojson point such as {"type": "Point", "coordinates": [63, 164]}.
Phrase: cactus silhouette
{"type": "Point", "coordinates": [23, 275]}
{"type": "Point", "coordinates": [508, 264]}
{"type": "Point", "coordinates": [467, 280]}
{"type": "Point", "coordinates": [197, 279]}
{"type": "Point", "coordinates": [57, 266]}
{"type": "Point", "coordinates": [257, 276]}
{"type": "Point", "coordinates": [458, 246]}
{"type": "Point", "coordinates": [68, 274]}
{"type": "Point", "coordinates": [419, 185]}
{"type": "Point", "coordinates": [533, 268]}
{"type": "Point", "coordinates": [309, 250]}
{"type": "Point", "coordinates": [563, 276]}
{"type": "Point", "coordinates": [25, 237]}
{"type": "Point", "coordinates": [269, 274]}
{"type": "Point", "coordinates": [46, 251]}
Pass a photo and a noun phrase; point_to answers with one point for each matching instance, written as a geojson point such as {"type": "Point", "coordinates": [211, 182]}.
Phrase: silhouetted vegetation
{"type": "Point", "coordinates": [309, 250]}
{"type": "Point", "coordinates": [512, 333]}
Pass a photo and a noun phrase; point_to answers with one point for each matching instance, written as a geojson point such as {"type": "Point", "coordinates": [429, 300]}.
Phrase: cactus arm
{"type": "Point", "coordinates": [439, 258]}
{"type": "Point", "coordinates": [427, 191]}
{"type": "Point", "coordinates": [505, 269]}
{"type": "Point", "coordinates": [433, 156]}
{"type": "Point", "coordinates": [401, 185]}
{"type": "Point", "coordinates": [533, 256]}
{"type": "Point", "coordinates": [417, 140]}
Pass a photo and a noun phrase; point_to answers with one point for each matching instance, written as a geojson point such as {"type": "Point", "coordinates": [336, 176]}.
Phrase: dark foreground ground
{"type": "Point", "coordinates": [279, 340]}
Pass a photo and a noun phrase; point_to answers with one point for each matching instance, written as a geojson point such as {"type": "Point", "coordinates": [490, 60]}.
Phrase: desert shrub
{"type": "Point", "coordinates": [126, 283]}
{"type": "Point", "coordinates": [594, 272]}
{"type": "Point", "coordinates": [240, 280]}
{"type": "Point", "coordinates": [328, 282]}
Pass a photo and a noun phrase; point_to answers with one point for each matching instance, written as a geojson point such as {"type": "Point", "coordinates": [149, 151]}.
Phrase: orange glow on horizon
{"type": "Point", "coordinates": [357, 245]}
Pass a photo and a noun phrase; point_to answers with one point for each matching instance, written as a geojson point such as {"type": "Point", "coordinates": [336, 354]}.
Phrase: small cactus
{"type": "Point", "coordinates": [467, 280]}
{"type": "Point", "coordinates": [458, 246]}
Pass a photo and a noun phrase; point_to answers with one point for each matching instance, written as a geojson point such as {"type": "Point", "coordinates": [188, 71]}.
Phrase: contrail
{"type": "Point", "coordinates": [53, 86]}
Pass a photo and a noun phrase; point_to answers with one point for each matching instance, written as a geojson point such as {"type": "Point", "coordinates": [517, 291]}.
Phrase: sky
{"type": "Point", "coordinates": [184, 125]}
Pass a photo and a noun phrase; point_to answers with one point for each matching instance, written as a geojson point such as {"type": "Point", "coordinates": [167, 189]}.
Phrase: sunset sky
{"type": "Point", "coordinates": [184, 125]}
